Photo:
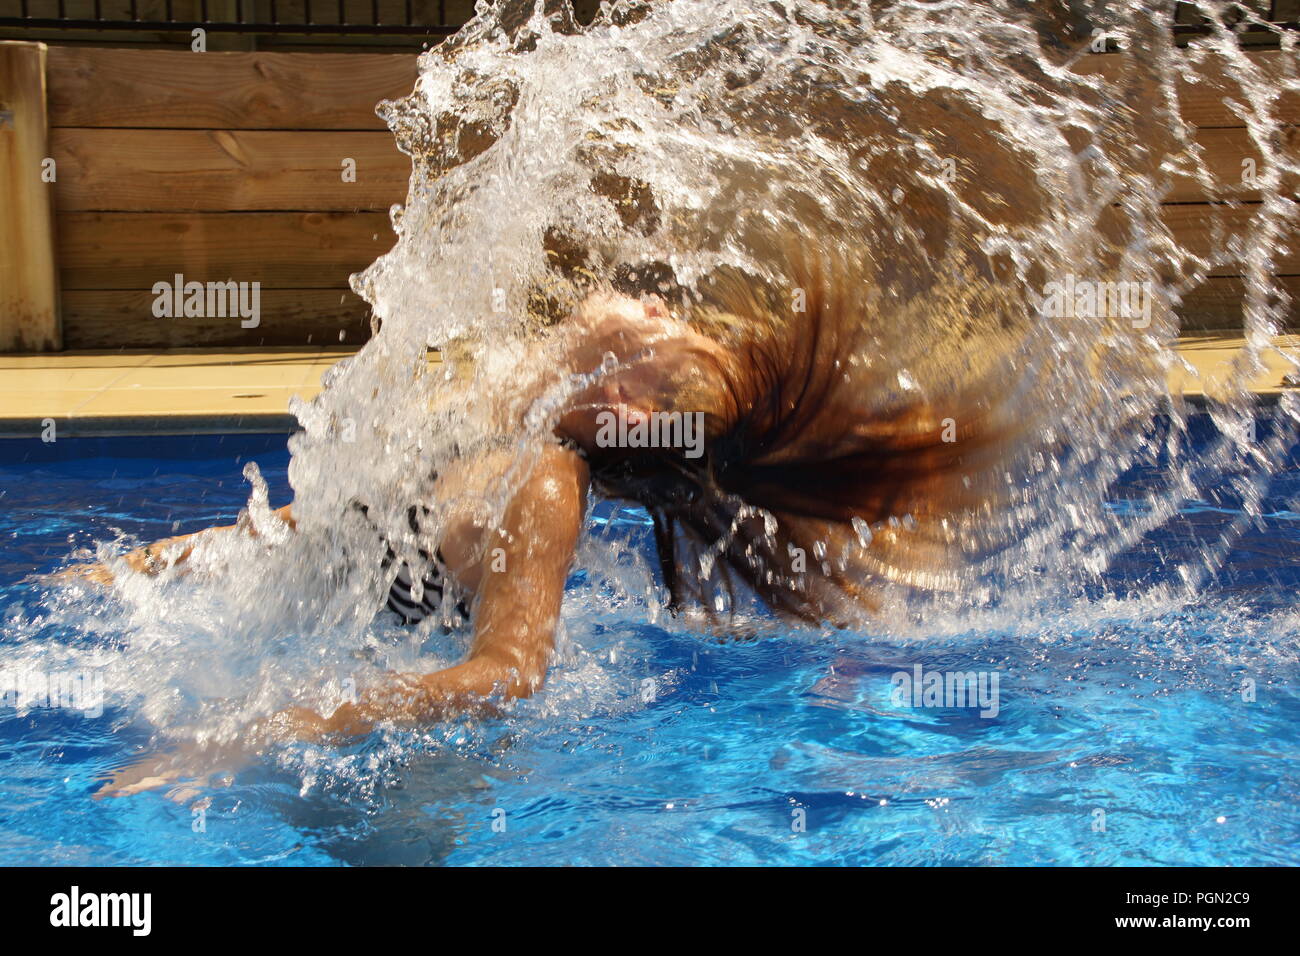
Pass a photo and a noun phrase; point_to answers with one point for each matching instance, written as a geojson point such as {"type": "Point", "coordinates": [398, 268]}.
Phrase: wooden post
{"type": "Point", "coordinates": [29, 294]}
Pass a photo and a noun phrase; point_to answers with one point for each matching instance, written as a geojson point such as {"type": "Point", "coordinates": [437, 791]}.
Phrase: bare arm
{"type": "Point", "coordinates": [152, 558]}
{"type": "Point", "coordinates": [518, 609]}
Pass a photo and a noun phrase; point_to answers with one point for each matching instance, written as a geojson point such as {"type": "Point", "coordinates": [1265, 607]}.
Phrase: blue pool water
{"type": "Point", "coordinates": [1122, 733]}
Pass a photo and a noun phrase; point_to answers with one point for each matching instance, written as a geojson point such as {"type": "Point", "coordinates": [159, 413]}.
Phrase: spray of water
{"type": "Point", "coordinates": [968, 159]}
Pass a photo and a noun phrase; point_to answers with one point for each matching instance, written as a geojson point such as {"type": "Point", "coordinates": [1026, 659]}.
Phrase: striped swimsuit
{"type": "Point", "coordinates": [412, 611]}
{"type": "Point", "coordinates": [400, 600]}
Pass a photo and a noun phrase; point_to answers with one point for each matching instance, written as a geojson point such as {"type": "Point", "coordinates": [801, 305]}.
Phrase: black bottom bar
{"type": "Point", "coordinates": [935, 907]}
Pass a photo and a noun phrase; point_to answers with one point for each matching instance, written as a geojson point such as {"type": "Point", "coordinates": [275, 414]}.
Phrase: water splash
{"type": "Point", "coordinates": [969, 159]}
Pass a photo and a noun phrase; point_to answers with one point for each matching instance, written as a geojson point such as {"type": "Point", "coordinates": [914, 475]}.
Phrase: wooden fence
{"type": "Point", "coordinates": [221, 165]}
{"type": "Point", "coordinates": [215, 166]}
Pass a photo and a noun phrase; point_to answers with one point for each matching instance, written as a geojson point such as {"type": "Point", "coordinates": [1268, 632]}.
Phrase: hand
{"type": "Point", "coordinates": [401, 699]}
{"type": "Point", "coordinates": [196, 764]}
{"type": "Point", "coordinates": [92, 573]}
{"type": "Point", "coordinates": [144, 560]}
{"type": "Point", "coordinates": [191, 763]}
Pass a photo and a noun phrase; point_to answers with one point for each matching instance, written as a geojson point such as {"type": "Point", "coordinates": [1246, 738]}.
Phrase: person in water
{"type": "Point", "coordinates": [824, 475]}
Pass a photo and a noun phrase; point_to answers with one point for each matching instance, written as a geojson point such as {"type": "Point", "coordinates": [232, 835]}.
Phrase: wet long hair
{"type": "Point", "coordinates": [828, 470]}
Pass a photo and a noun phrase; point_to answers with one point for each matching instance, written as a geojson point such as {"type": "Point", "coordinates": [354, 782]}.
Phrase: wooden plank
{"type": "Point", "coordinates": [1216, 305]}
{"type": "Point", "coordinates": [100, 87]}
{"type": "Point", "coordinates": [222, 42]}
{"type": "Point", "coordinates": [1190, 225]}
{"type": "Point", "coordinates": [178, 170]}
{"type": "Point", "coordinates": [226, 170]}
{"type": "Point", "coordinates": [133, 250]}
{"type": "Point", "coordinates": [1223, 154]}
{"type": "Point", "coordinates": [124, 319]}
{"type": "Point", "coordinates": [1203, 100]}
{"type": "Point", "coordinates": [29, 297]}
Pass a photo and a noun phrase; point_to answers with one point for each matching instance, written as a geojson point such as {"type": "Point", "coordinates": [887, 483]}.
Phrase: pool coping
{"type": "Point", "coordinates": [190, 391]}
{"type": "Point", "coordinates": [247, 391]}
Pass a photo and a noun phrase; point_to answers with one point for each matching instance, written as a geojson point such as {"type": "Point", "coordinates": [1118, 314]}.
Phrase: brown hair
{"type": "Point", "coordinates": [810, 442]}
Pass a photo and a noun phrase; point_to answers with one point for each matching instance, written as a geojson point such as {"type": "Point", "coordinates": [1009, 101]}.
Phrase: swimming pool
{"type": "Point", "coordinates": [1124, 730]}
